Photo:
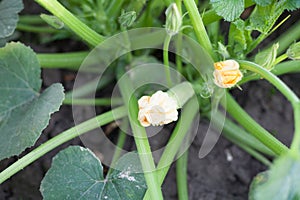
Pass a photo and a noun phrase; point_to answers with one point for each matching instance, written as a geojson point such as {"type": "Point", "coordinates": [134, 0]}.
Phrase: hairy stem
{"type": "Point", "coordinates": [234, 109]}
{"type": "Point", "coordinates": [175, 142]}
{"type": "Point", "coordinates": [279, 69]}
{"type": "Point", "coordinates": [140, 136]}
{"type": "Point", "coordinates": [62, 60]}
{"type": "Point", "coordinates": [166, 59]}
{"type": "Point", "coordinates": [198, 26]}
{"type": "Point", "coordinates": [181, 176]}
{"type": "Point", "coordinates": [82, 30]}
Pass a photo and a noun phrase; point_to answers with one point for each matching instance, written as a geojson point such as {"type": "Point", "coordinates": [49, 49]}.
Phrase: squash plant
{"type": "Point", "coordinates": [123, 38]}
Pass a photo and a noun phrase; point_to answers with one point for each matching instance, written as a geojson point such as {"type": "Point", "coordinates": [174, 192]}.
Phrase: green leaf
{"type": "Point", "coordinates": [228, 9]}
{"type": "Point", "coordinates": [9, 10]}
{"type": "Point", "coordinates": [260, 179]}
{"type": "Point", "coordinates": [281, 182]}
{"type": "Point", "coordinates": [53, 21]}
{"type": "Point", "coordinates": [222, 50]}
{"type": "Point", "coordinates": [292, 4]}
{"type": "Point", "coordinates": [76, 173]}
{"type": "Point", "coordinates": [127, 19]}
{"type": "Point", "coordinates": [263, 2]}
{"type": "Point", "coordinates": [24, 113]}
{"type": "Point", "coordinates": [293, 51]}
{"type": "Point", "coordinates": [238, 39]}
{"type": "Point", "coordinates": [263, 18]}
{"type": "Point", "coordinates": [267, 58]}
{"type": "Point", "coordinates": [93, 14]}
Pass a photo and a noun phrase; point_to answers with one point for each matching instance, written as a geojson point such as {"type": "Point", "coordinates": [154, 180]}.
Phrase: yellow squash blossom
{"type": "Point", "coordinates": [227, 73]}
{"type": "Point", "coordinates": [157, 110]}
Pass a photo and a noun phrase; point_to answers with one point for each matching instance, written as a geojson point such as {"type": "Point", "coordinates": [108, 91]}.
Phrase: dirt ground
{"type": "Point", "coordinates": [210, 178]}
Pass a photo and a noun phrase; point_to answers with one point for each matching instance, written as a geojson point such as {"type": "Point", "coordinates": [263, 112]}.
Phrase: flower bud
{"type": "Point", "coordinates": [173, 19]}
{"type": "Point", "coordinates": [127, 18]}
{"type": "Point", "coordinates": [222, 50]}
{"type": "Point", "coordinates": [227, 73]}
{"type": "Point", "coordinates": [293, 51]}
{"type": "Point", "coordinates": [267, 58]}
{"type": "Point", "coordinates": [157, 110]}
{"type": "Point", "coordinates": [52, 21]}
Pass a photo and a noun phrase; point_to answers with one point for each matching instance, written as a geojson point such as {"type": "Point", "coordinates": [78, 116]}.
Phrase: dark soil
{"type": "Point", "coordinates": [211, 178]}
{"type": "Point", "coordinates": [216, 178]}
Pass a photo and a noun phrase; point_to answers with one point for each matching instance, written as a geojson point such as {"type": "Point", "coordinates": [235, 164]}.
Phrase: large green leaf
{"type": "Point", "coordinates": [292, 4]}
{"type": "Point", "coordinates": [263, 18]}
{"type": "Point", "coordinates": [263, 2]}
{"type": "Point", "coordinates": [228, 9]}
{"type": "Point", "coordinates": [267, 58]}
{"type": "Point", "coordinates": [238, 39]}
{"type": "Point", "coordinates": [76, 173]}
{"type": "Point", "coordinates": [9, 10]}
{"type": "Point", "coordinates": [24, 112]}
{"type": "Point", "coordinates": [281, 182]}
{"type": "Point", "coordinates": [287, 4]}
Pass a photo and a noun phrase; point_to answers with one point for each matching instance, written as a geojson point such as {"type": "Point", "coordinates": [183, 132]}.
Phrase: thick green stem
{"type": "Point", "coordinates": [286, 91]}
{"type": "Point", "coordinates": [198, 26]}
{"type": "Point", "coordinates": [287, 67]}
{"type": "Point", "coordinates": [241, 138]}
{"type": "Point", "coordinates": [181, 177]}
{"type": "Point", "coordinates": [182, 93]}
{"type": "Point", "coordinates": [166, 59]}
{"type": "Point", "coordinates": [175, 142]}
{"type": "Point", "coordinates": [120, 144]}
{"type": "Point", "coordinates": [279, 69]}
{"type": "Point", "coordinates": [295, 147]}
{"type": "Point", "coordinates": [255, 154]}
{"type": "Point", "coordinates": [36, 29]}
{"type": "Point", "coordinates": [114, 8]}
{"type": "Point", "coordinates": [82, 30]}
{"type": "Point", "coordinates": [89, 88]}
{"type": "Point", "coordinates": [62, 60]}
{"type": "Point", "coordinates": [31, 19]}
{"type": "Point", "coordinates": [234, 109]}
{"type": "Point", "coordinates": [178, 58]}
{"type": "Point", "coordinates": [65, 136]}
{"type": "Point", "coordinates": [140, 136]}
{"type": "Point", "coordinates": [274, 80]}
{"type": "Point", "coordinates": [235, 133]}
{"type": "Point", "coordinates": [93, 102]}
{"type": "Point", "coordinates": [178, 4]}
{"type": "Point", "coordinates": [280, 58]}
{"type": "Point", "coordinates": [285, 40]}
{"type": "Point", "coordinates": [179, 43]}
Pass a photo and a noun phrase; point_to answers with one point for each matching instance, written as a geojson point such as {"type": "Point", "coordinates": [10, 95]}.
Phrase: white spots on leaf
{"type": "Point", "coordinates": [138, 187]}
{"type": "Point", "coordinates": [126, 175]}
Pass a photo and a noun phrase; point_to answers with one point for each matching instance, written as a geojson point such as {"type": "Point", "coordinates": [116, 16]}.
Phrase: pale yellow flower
{"type": "Point", "coordinates": [157, 110]}
{"type": "Point", "coordinates": [227, 73]}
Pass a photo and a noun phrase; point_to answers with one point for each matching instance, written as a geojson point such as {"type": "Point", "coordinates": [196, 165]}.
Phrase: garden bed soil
{"type": "Point", "coordinates": [214, 177]}
{"type": "Point", "coordinates": [211, 178]}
